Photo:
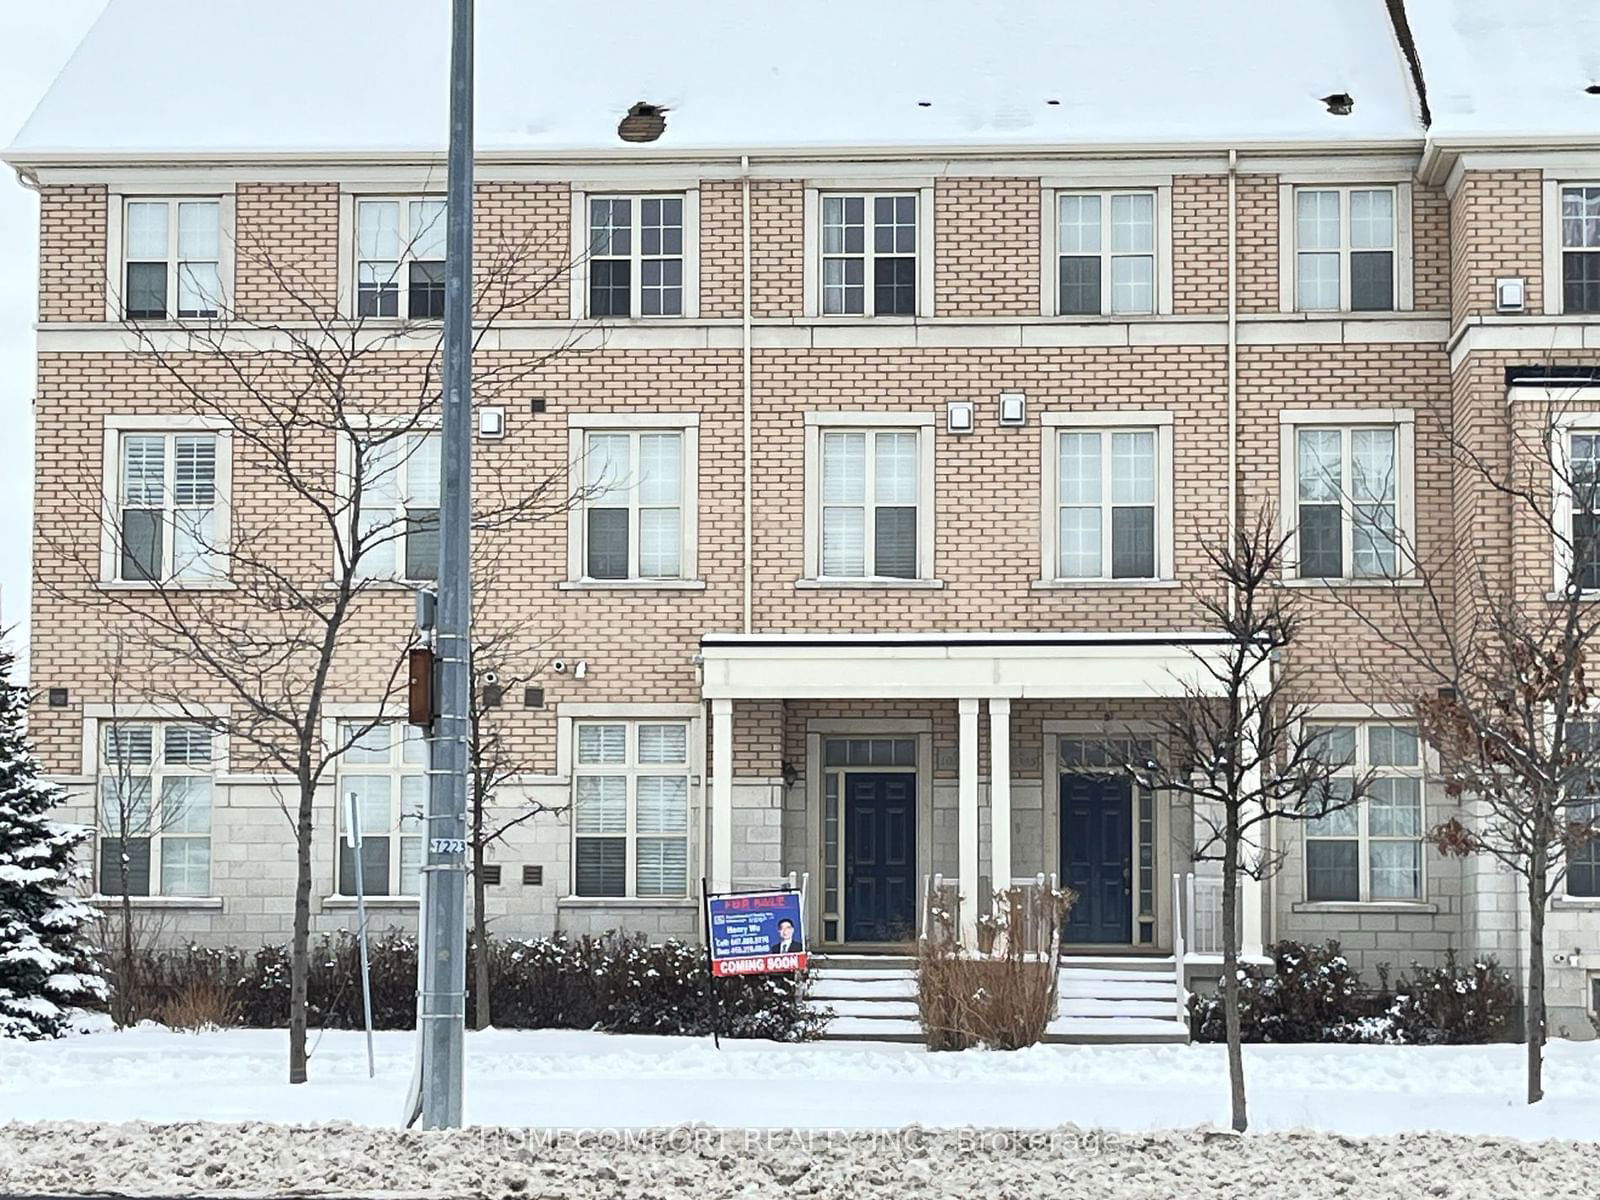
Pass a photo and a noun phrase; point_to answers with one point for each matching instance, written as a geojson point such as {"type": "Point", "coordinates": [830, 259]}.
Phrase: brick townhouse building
{"type": "Point", "coordinates": [898, 387]}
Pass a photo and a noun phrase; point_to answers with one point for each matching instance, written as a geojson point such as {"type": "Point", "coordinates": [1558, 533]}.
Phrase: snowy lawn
{"type": "Point", "coordinates": [580, 1080]}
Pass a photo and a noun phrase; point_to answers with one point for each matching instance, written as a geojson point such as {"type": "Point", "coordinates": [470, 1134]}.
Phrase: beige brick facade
{"type": "Point", "coordinates": [641, 645]}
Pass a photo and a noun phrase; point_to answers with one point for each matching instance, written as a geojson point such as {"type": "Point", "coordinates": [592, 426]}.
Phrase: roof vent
{"type": "Point", "coordinates": [1340, 103]}
{"type": "Point", "coordinates": [1593, 89]}
{"type": "Point", "coordinates": [1053, 102]}
{"type": "Point", "coordinates": [924, 103]}
{"type": "Point", "coordinates": [644, 123]}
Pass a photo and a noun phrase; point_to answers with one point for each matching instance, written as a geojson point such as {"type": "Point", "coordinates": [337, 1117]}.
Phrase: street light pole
{"type": "Point", "coordinates": [442, 1010]}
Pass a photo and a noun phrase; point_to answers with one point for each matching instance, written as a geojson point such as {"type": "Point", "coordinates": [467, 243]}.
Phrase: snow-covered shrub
{"type": "Point", "coordinates": [47, 962]}
{"type": "Point", "coordinates": [1313, 995]}
{"type": "Point", "coordinates": [1451, 1005]}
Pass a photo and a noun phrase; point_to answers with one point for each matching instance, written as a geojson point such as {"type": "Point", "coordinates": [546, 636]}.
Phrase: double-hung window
{"type": "Point", "coordinates": [1348, 493]}
{"type": "Point", "coordinates": [1106, 503]}
{"type": "Point", "coordinates": [870, 498]}
{"type": "Point", "coordinates": [633, 506]}
{"type": "Point", "coordinates": [869, 254]}
{"type": "Point", "coordinates": [1370, 850]}
{"type": "Point", "coordinates": [1346, 241]}
{"type": "Point", "coordinates": [172, 255]}
{"type": "Point", "coordinates": [1580, 248]}
{"type": "Point", "coordinates": [636, 256]}
{"type": "Point", "coordinates": [167, 512]}
{"type": "Point", "coordinates": [630, 818]}
{"type": "Point", "coordinates": [1583, 809]}
{"type": "Point", "coordinates": [1582, 490]}
{"type": "Point", "coordinates": [1105, 253]}
{"type": "Point", "coordinates": [155, 809]}
{"type": "Point", "coordinates": [384, 768]}
{"type": "Point", "coordinates": [400, 249]}
{"type": "Point", "coordinates": [399, 505]}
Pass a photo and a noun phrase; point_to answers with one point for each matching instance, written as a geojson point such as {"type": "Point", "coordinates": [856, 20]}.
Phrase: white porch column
{"type": "Point", "coordinates": [967, 822]}
{"type": "Point", "coordinates": [1000, 793]}
{"type": "Point", "coordinates": [721, 795]}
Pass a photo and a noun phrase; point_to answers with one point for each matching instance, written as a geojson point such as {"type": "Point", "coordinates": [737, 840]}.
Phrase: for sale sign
{"type": "Point", "coordinates": [755, 933]}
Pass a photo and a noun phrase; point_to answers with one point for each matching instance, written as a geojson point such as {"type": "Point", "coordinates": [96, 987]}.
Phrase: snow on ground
{"type": "Point", "coordinates": [553, 1078]}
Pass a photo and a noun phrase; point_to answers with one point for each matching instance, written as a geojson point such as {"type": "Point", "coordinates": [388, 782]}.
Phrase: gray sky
{"type": "Point", "coordinates": [38, 35]}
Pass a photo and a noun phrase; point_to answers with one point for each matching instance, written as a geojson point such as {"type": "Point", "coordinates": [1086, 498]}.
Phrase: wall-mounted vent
{"type": "Point", "coordinates": [533, 876]}
{"type": "Point", "coordinates": [644, 123]}
{"type": "Point", "coordinates": [491, 874]}
{"type": "Point", "coordinates": [1340, 104]}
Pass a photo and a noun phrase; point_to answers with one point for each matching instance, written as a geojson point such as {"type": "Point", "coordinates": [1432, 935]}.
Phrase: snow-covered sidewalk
{"type": "Point", "coordinates": [572, 1080]}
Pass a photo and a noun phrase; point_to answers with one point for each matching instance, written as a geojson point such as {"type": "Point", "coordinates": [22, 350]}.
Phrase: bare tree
{"type": "Point", "coordinates": [1502, 650]}
{"type": "Point", "coordinates": [255, 610]}
{"type": "Point", "coordinates": [1237, 742]}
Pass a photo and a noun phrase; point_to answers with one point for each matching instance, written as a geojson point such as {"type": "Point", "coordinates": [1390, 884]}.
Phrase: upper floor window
{"type": "Point", "coordinates": [400, 249]}
{"type": "Point", "coordinates": [1105, 253]}
{"type": "Point", "coordinates": [1349, 493]}
{"type": "Point", "coordinates": [383, 771]}
{"type": "Point", "coordinates": [155, 809]}
{"type": "Point", "coordinates": [172, 254]}
{"type": "Point", "coordinates": [1583, 860]}
{"type": "Point", "coordinates": [630, 820]}
{"type": "Point", "coordinates": [869, 254]}
{"type": "Point", "coordinates": [634, 506]}
{"type": "Point", "coordinates": [1106, 493]}
{"type": "Point", "coordinates": [1346, 240]}
{"type": "Point", "coordinates": [869, 503]}
{"type": "Point", "coordinates": [167, 507]}
{"type": "Point", "coordinates": [399, 505]}
{"type": "Point", "coordinates": [1580, 249]}
{"type": "Point", "coordinates": [1370, 850]}
{"type": "Point", "coordinates": [636, 256]}
{"type": "Point", "coordinates": [635, 521]}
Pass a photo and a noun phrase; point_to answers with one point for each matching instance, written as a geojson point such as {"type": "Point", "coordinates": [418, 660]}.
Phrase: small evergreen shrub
{"type": "Point", "coordinates": [616, 983]}
{"type": "Point", "coordinates": [1314, 995]}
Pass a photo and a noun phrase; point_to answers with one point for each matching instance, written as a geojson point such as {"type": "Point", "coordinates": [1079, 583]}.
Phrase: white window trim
{"type": "Point", "coordinates": [113, 429]}
{"type": "Point", "coordinates": [633, 716]}
{"type": "Point", "coordinates": [157, 771]}
{"type": "Point", "coordinates": [1288, 250]}
{"type": "Point", "coordinates": [812, 237]}
{"type": "Point", "coordinates": [175, 192]}
{"type": "Point", "coordinates": [1049, 232]}
{"type": "Point", "coordinates": [1563, 426]}
{"type": "Point", "coordinates": [341, 714]}
{"type": "Point", "coordinates": [816, 423]}
{"type": "Point", "coordinates": [1361, 808]}
{"type": "Point", "coordinates": [345, 473]}
{"type": "Point", "coordinates": [1555, 291]}
{"type": "Point", "coordinates": [1052, 423]}
{"type": "Point", "coordinates": [578, 287]}
{"type": "Point", "coordinates": [579, 426]}
{"type": "Point", "coordinates": [1290, 421]}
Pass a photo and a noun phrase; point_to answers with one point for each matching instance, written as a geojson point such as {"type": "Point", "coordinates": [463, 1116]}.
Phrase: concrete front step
{"type": "Point", "coordinates": [1092, 1006]}
{"type": "Point", "coordinates": [1113, 1030]}
{"type": "Point", "coordinates": [1120, 989]}
{"type": "Point", "coordinates": [845, 987]}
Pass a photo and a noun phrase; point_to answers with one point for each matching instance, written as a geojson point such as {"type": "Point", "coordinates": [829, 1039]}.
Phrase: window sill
{"type": "Point", "coordinates": [917, 584]}
{"type": "Point", "coordinates": [1057, 585]}
{"type": "Point", "coordinates": [343, 901]}
{"type": "Point", "coordinates": [632, 585]}
{"type": "Point", "coordinates": [171, 585]}
{"type": "Point", "coordinates": [1331, 584]}
{"type": "Point", "coordinates": [626, 902]}
{"type": "Point", "coordinates": [1586, 596]}
{"type": "Point", "coordinates": [213, 903]}
{"type": "Point", "coordinates": [1576, 903]}
{"type": "Point", "coordinates": [1412, 907]}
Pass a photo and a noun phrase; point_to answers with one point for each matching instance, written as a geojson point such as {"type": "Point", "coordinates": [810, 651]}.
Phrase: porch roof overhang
{"type": "Point", "coordinates": [943, 666]}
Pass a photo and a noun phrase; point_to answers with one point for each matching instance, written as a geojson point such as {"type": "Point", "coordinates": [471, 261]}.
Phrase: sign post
{"type": "Point", "coordinates": [352, 839]}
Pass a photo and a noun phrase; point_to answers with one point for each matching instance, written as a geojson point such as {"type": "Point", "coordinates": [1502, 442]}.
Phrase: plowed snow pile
{"type": "Point", "coordinates": [697, 1163]}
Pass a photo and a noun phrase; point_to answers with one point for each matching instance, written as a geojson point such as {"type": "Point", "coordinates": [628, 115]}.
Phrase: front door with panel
{"type": "Point", "coordinates": [880, 857]}
{"type": "Point", "coordinates": [1097, 857]}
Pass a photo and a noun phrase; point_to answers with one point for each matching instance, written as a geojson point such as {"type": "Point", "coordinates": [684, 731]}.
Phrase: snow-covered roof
{"type": "Point", "coordinates": [1509, 68]}
{"type": "Point", "coordinates": [323, 76]}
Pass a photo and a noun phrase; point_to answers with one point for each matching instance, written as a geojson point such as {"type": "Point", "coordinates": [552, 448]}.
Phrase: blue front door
{"type": "Point", "coordinates": [1097, 857]}
{"type": "Point", "coordinates": [880, 857]}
